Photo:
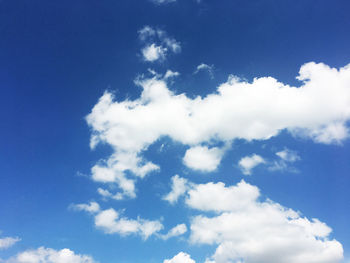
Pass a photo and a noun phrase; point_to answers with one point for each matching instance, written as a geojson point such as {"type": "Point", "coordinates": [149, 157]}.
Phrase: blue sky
{"type": "Point", "coordinates": [174, 131]}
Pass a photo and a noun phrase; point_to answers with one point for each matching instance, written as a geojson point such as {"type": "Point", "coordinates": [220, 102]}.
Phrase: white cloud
{"type": "Point", "coordinates": [7, 242]}
{"type": "Point", "coordinates": [171, 74]}
{"type": "Point", "coordinates": [206, 67]}
{"type": "Point", "coordinates": [49, 255]}
{"type": "Point", "coordinates": [288, 155]}
{"type": "Point", "coordinates": [92, 207]}
{"type": "Point", "coordinates": [252, 231]}
{"type": "Point", "coordinates": [202, 158]}
{"type": "Point", "coordinates": [157, 43]}
{"type": "Point", "coordinates": [180, 258]}
{"type": "Point", "coordinates": [178, 230]}
{"type": "Point", "coordinates": [319, 109]}
{"type": "Point", "coordinates": [107, 194]}
{"type": "Point", "coordinates": [152, 52]}
{"type": "Point", "coordinates": [113, 171]}
{"type": "Point", "coordinates": [247, 229]}
{"type": "Point", "coordinates": [179, 187]}
{"type": "Point", "coordinates": [160, 2]}
{"type": "Point", "coordinates": [249, 162]}
{"type": "Point", "coordinates": [217, 197]}
{"type": "Point", "coordinates": [146, 32]}
{"type": "Point", "coordinates": [111, 222]}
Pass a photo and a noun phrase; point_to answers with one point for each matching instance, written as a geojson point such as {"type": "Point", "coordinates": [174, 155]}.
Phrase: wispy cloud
{"type": "Point", "coordinates": [205, 67]}
{"type": "Point", "coordinates": [249, 162]}
{"type": "Point", "coordinates": [157, 44]}
{"type": "Point", "coordinates": [7, 242]}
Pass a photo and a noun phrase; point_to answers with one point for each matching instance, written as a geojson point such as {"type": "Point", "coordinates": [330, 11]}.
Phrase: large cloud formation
{"type": "Point", "coordinates": [319, 109]}
{"type": "Point", "coordinates": [247, 229]}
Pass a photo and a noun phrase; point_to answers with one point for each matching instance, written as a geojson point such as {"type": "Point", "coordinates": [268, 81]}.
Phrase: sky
{"type": "Point", "coordinates": [174, 131]}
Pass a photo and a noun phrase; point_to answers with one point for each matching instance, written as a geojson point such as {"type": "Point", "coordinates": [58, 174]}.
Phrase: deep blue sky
{"type": "Point", "coordinates": [58, 57]}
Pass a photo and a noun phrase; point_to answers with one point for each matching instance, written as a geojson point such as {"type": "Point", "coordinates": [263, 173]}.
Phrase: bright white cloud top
{"type": "Point", "coordinates": [247, 229]}
{"type": "Point", "coordinates": [180, 258]}
{"type": "Point", "coordinates": [202, 158]}
{"type": "Point", "coordinates": [319, 109]}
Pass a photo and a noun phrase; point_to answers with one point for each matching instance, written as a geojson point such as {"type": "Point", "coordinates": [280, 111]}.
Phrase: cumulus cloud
{"type": "Point", "coordinates": [318, 109]}
{"type": "Point", "coordinates": [179, 187]}
{"type": "Point", "coordinates": [114, 170]}
{"type": "Point", "coordinates": [249, 162]}
{"type": "Point", "coordinates": [175, 231]}
{"type": "Point", "coordinates": [7, 242]}
{"type": "Point", "coordinates": [180, 258]}
{"type": "Point", "coordinates": [157, 43]}
{"type": "Point", "coordinates": [205, 67]}
{"type": "Point", "coordinates": [218, 197]}
{"type": "Point", "coordinates": [202, 158]}
{"type": "Point", "coordinates": [251, 231]}
{"type": "Point", "coordinates": [49, 255]}
{"type": "Point", "coordinates": [112, 222]}
{"type": "Point", "coordinates": [247, 229]}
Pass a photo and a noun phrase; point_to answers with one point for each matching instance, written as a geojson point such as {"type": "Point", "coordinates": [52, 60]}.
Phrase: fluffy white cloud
{"type": "Point", "coordinates": [7, 242]}
{"type": "Point", "coordinates": [152, 52]}
{"type": "Point", "coordinates": [111, 223]}
{"type": "Point", "coordinates": [319, 109]}
{"type": "Point", "coordinates": [180, 258]}
{"type": "Point", "coordinates": [179, 187]}
{"type": "Point", "coordinates": [158, 43]}
{"type": "Point", "coordinates": [218, 197]}
{"type": "Point", "coordinates": [206, 67]}
{"type": "Point", "coordinates": [249, 162]}
{"type": "Point", "coordinates": [202, 158]}
{"type": "Point", "coordinates": [177, 230]}
{"type": "Point", "coordinates": [49, 255]}
{"type": "Point", "coordinates": [113, 171]}
{"type": "Point", "coordinates": [251, 231]}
